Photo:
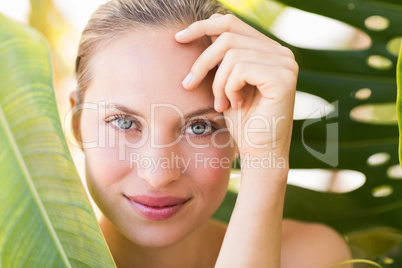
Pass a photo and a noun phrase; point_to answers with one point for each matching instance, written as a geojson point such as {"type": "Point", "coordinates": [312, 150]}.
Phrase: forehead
{"type": "Point", "coordinates": [145, 67]}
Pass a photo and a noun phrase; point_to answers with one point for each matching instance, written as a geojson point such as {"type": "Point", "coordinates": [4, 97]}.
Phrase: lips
{"type": "Point", "coordinates": [156, 208]}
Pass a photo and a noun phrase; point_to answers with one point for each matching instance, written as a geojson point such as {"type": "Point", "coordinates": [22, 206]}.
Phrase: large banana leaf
{"type": "Point", "coordinates": [336, 76]}
{"type": "Point", "coordinates": [46, 219]}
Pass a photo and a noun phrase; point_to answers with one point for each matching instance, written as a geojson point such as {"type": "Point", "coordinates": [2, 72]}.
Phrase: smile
{"type": "Point", "coordinates": [156, 208]}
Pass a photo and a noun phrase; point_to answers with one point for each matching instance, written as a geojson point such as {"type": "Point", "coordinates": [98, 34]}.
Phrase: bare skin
{"type": "Point", "coordinates": [204, 253]}
{"type": "Point", "coordinates": [256, 77]}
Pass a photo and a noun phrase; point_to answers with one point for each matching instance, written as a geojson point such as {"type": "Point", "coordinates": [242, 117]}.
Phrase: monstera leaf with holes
{"type": "Point", "coordinates": [46, 219]}
{"type": "Point", "coordinates": [339, 142]}
{"type": "Point", "coordinates": [336, 76]}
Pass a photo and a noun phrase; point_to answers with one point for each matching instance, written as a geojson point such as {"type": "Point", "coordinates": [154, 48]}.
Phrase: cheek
{"type": "Point", "coordinates": [103, 175]}
{"type": "Point", "coordinates": [215, 184]}
{"type": "Point", "coordinates": [101, 149]}
{"type": "Point", "coordinates": [102, 165]}
{"type": "Point", "coordinates": [211, 172]}
{"type": "Point", "coordinates": [104, 170]}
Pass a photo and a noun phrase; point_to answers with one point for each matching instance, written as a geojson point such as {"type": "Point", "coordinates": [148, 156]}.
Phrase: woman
{"type": "Point", "coordinates": [171, 92]}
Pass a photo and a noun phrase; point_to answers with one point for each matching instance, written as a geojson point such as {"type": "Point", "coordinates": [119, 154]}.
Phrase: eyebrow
{"type": "Point", "coordinates": [204, 111]}
{"type": "Point", "coordinates": [121, 108]}
{"type": "Point", "coordinates": [199, 112]}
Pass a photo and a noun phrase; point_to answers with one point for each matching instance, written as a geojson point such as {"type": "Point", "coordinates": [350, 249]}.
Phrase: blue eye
{"type": "Point", "coordinates": [199, 128]}
{"type": "Point", "coordinates": [123, 123]}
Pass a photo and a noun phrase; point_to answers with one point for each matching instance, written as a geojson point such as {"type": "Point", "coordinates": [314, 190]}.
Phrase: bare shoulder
{"type": "Point", "coordinates": [312, 245]}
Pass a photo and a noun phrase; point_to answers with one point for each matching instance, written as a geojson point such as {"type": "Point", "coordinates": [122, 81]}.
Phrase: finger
{"type": "Point", "coordinates": [214, 16]}
{"type": "Point", "coordinates": [221, 101]}
{"type": "Point", "coordinates": [215, 53]}
{"type": "Point", "coordinates": [235, 56]}
{"type": "Point", "coordinates": [272, 82]}
{"type": "Point", "coordinates": [234, 97]}
{"type": "Point", "coordinates": [217, 26]}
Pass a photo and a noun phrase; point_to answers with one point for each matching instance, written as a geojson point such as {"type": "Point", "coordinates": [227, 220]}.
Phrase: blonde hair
{"type": "Point", "coordinates": [117, 17]}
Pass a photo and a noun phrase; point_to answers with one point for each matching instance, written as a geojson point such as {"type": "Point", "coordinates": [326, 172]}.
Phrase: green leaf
{"type": "Point", "coordinates": [375, 243]}
{"type": "Point", "coordinates": [46, 219]}
{"type": "Point", "coordinates": [336, 76]}
{"type": "Point", "coordinates": [357, 261]}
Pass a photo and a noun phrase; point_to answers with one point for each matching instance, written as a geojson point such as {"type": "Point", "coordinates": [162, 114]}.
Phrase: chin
{"type": "Point", "coordinates": [156, 242]}
{"type": "Point", "coordinates": [161, 237]}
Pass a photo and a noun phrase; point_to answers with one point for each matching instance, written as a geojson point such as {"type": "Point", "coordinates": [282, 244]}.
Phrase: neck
{"type": "Point", "coordinates": [199, 249]}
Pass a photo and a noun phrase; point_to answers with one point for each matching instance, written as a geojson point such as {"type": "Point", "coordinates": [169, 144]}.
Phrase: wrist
{"type": "Point", "coordinates": [262, 180]}
{"type": "Point", "coordinates": [264, 160]}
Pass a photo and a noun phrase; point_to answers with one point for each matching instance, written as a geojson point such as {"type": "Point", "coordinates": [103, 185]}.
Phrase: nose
{"type": "Point", "coordinates": [159, 167]}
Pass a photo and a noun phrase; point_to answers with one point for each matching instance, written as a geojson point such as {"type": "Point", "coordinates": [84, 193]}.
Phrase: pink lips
{"type": "Point", "coordinates": [156, 208]}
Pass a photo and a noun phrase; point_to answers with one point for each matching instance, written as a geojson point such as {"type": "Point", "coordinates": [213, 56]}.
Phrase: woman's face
{"type": "Point", "coordinates": [158, 157]}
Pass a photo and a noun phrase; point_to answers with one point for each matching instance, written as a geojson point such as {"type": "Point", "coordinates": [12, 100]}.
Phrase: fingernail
{"type": "Point", "coordinates": [215, 105]}
{"type": "Point", "coordinates": [187, 80]}
{"type": "Point", "coordinates": [181, 33]}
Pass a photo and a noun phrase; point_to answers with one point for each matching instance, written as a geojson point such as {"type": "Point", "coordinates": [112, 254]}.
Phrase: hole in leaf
{"type": "Point", "coordinates": [394, 172]}
{"type": "Point", "coordinates": [310, 106]}
{"type": "Point", "coordinates": [394, 45]}
{"type": "Point", "coordinates": [378, 159]}
{"type": "Point", "coordinates": [387, 260]}
{"type": "Point", "coordinates": [307, 30]}
{"type": "Point", "coordinates": [347, 181]}
{"type": "Point", "coordinates": [376, 23]}
{"type": "Point", "coordinates": [382, 191]}
{"type": "Point", "coordinates": [234, 182]}
{"type": "Point", "coordinates": [322, 180]}
{"type": "Point", "coordinates": [379, 62]}
{"type": "Point", "coordinates": [351, 6]}
{"type": "Point", "coordinates": [375, 113]}
{"type": "Point", "coordinates": [363, 94]}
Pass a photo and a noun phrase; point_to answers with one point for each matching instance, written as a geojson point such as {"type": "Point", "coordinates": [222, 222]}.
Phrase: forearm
{"type": "Point", "coordinates": [253, 237]}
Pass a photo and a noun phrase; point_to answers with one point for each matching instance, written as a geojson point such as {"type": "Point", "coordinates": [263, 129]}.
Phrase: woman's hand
{"type": "Point", "coordinates": [256, 77]}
